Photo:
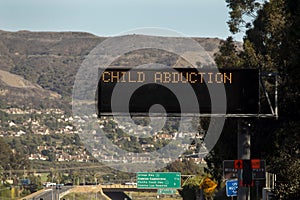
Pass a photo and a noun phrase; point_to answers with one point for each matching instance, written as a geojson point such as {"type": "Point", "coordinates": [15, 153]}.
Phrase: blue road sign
{"type": "Point", "coordinates": [232, 188]}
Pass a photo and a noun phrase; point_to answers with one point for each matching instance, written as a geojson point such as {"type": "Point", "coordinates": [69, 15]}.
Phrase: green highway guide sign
{"type": "Point", "coordinates": [157, 180]}
{"type": "Point", "coordinates": [166, 191]}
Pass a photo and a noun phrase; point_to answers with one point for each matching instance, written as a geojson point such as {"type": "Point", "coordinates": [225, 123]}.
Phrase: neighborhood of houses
{"type": "Point", "coordinates": [55, 121]}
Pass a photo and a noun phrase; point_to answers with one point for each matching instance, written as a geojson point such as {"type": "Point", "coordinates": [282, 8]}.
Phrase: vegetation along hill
{"type": "Point", "coordinates": [48, 62]}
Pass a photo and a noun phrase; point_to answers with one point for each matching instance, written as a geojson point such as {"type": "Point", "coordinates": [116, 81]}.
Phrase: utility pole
{"type": "Point", "coordinates": [244, 143]}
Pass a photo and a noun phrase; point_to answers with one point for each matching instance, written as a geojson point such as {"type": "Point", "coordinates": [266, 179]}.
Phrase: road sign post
{"type": "Point", "coordinates": [244, 142]}
{"type": "Point", "coordinates": [247, 173]}
{"type": "Point", "coordinates": [158, 180]}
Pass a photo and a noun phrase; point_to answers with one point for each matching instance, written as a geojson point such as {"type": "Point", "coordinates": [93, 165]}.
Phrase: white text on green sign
{"type": "Point", "coordinates": [158, 180]}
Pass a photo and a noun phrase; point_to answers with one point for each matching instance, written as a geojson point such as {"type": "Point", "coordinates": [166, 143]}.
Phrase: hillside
{"type": "Point", "coordinates": [37, 73]}
{"type": "Point", "coordinates": [14, 89]}
{"type": "Point", "coordinates": [47, 61]}
{"type": "Point", "coordinates": [46, 64]}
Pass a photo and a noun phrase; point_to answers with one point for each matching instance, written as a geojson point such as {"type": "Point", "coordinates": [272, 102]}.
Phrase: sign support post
{"type": "Point", "coordinates": [243, 154]}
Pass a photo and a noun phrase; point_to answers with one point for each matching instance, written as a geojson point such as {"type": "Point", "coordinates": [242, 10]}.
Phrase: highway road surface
{"type": "Point", "coordinates": [117, 195]}
{"type": "Point", "coordinates": [50, 194]}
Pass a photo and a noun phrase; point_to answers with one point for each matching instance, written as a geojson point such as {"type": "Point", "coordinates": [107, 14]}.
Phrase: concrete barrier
{"type": "Point", "coordinates": [84, 189]}
{"type": "Point", "coordinates": [28, 197]}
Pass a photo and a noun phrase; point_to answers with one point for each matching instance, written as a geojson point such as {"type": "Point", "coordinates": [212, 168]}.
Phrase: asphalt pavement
{"type": "Point", "coordinates": [51, 193]}
{"type": "Point", "coordinates": [117, 195]}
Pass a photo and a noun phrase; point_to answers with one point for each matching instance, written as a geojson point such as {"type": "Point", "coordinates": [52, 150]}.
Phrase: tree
{"type": "Point", "coordinates": [272, 43]}
{"type": "Point", "coordinates": [186, 167]}
{"type": "Point", "coordinates": [275, 39]}
{"type": "Point", "coordinates": [197, 186]}
{"type": "Point", "coordinates": [36, 180]}
{"type": "Point", "coordinates": [228, 56]}
{"type": "Point", "coordinates": [191, 188]}
{"type": "Point", "coordinates": [239, 9]}
{"type": "Point", "coordinates": [5, 154]}
{"type": "Point", "coordinates": [10, 160]}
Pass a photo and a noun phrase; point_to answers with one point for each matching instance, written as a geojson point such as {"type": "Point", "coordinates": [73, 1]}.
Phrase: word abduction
{"type": "Point", "coordinates": [164, 77]}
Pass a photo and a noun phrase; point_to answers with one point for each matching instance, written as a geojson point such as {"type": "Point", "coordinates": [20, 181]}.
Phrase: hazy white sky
{"type": "Point", "coordinates": [203, 18]}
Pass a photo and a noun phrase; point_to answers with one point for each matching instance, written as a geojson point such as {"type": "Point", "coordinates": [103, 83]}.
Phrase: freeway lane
{"type": "Point", "coordinates": [47, 194]}
{"type": "Point", "coordinates": [51, 193]}
{"type": "Point", "coordinates": [117, 195]}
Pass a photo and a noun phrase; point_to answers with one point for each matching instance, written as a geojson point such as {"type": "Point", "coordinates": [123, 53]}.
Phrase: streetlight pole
{"type": "Point", "coordinates": [51, 169]}
{"type": "Point", "coordinates": [58, 192]}
{"type": "Point", "coordinates": [23, 172]}
{"type": "Point", "coordinates": [9, 171]}
{"type": "Point", "coordinates": [115, 178]}
{"type": "Point", "coordinates": [52, 193]}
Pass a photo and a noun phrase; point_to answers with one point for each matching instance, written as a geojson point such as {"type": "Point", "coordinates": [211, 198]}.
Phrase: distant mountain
{"type": "Point", "coordinates": [40, 67]}
{"type": "Point", "coordinates": [48, 61]}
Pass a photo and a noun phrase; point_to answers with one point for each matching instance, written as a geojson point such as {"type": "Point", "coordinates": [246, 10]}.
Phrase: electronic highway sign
{"type": "Point", "coordinates": [148, 87]}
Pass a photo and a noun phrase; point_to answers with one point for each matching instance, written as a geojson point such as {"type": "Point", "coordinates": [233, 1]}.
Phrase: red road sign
{"type": "Point", "coordinates": [229, 170]}
{"type": "Point", "coordinates": [259, 173]}
{"type": "Point", "coordinates": [238, 164]}
{"type": "Point", "coordinates": [255, 163]}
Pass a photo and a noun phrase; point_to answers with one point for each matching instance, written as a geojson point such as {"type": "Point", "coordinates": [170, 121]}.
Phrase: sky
{"type": "Point", "coordinates": [201, 18]}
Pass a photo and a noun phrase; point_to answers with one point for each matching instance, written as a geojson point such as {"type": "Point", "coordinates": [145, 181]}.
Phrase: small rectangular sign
{"type": "Point", "coordinates": [232, 188]}
{"type": "Point", "coordinates": [166, 191]}
{"type": "Point", "coordinates": [259, 173]}
{"type": "Point", "coordinates": [229, 170]}
{"type": "Point", "coordinates": [238, 164]}
{"type": "Point", "coordinates": [255, 163]}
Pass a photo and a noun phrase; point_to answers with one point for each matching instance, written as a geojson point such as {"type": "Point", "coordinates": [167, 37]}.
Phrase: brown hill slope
{"type": "Point", "coordinates": [50, 60]}
{"type": "Point", "coordinates": [15, 90]}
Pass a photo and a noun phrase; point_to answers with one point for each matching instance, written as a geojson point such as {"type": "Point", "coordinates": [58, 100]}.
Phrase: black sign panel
{"type": "Point", "coordinates": [230, 171]}
{"type": "Point", "coordinates": [170, 87]}
{"type": "Point", "coordinates": [260, 173]}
